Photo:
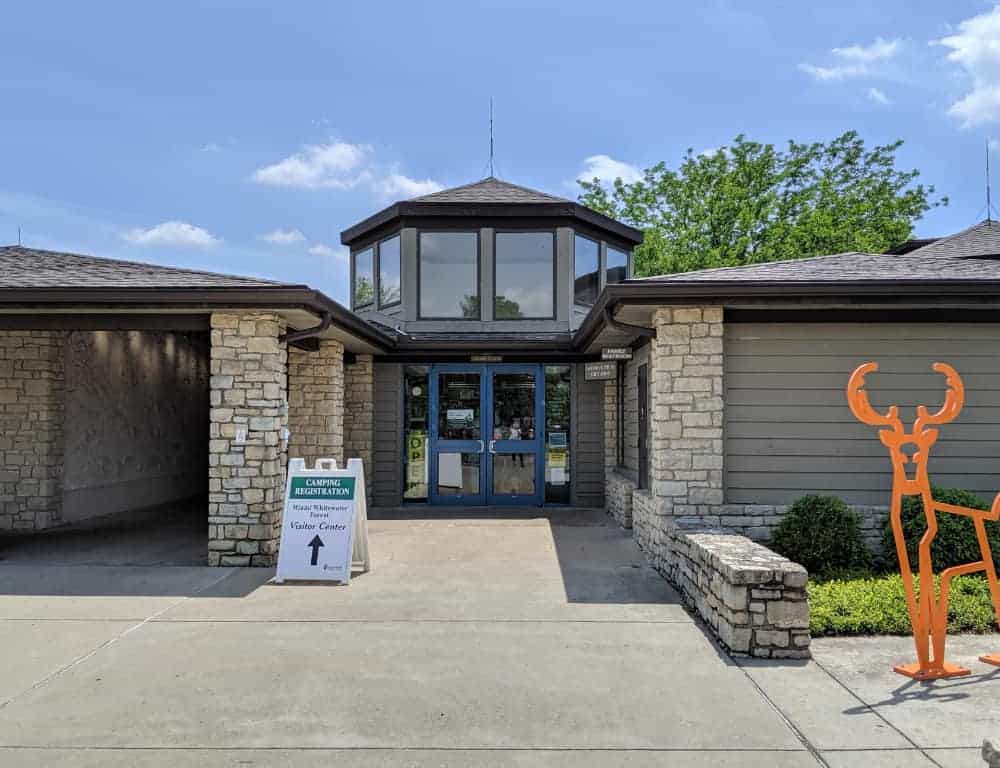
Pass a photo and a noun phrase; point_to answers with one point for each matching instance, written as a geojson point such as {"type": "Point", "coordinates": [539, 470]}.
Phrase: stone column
{"type": "Point", "coordinates": [359, 414]}
{"type": "Point", "coordinates": [686, 413]}
{"type": "Point", "coordinates": [316, 402]}
{"type": "Point", "coordinates": [32, 405]}
{"type": "Point", "coordinates": [246, 447]}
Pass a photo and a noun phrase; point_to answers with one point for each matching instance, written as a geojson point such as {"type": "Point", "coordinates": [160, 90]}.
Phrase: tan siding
{"type": "Point", "coordinates": [789, 431]}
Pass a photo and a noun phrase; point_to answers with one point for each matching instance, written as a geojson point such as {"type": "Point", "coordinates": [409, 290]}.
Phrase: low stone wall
{"type": "Point", "coordinates": [757, 521]}
{"type": "Point", "coordinates": [618, 491]}
{"type": "Point", "coordinates": [753, 599]}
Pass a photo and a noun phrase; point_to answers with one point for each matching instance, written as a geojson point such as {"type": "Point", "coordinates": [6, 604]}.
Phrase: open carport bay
{"type": "Point", "coordinates": [105, 430]}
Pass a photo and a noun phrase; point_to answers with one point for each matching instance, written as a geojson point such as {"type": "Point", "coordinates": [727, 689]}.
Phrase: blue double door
{"type": "Point", "coordinates": [487, 427]}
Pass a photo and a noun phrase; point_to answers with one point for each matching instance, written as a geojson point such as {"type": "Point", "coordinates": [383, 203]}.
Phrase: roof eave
{"type": "Point", "coordinates": [193, 299]}
{"type": "Point", "coordinates": [486, 210]}
{"type": "Point", "coordinates": [649, 290]}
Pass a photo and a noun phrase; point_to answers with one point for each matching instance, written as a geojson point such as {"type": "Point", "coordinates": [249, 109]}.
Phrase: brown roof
{"type": "Point", "coordinates": [22, 267]}
{"type": "Point", "coordinates": [489, 190]}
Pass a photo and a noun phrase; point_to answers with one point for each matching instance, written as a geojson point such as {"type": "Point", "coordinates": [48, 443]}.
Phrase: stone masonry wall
{"type": "Point", "coordinates": [316, 402]}
{"type": "Point", "coordinates": [32, 405]}
{"type": "Point", "coordinates": [686, 417]}
{"type": "Point", "coordinates": [246, 446]}
{"type": "Point", "coordinates": [359, 414]}
{"type": "Point", "coordinates": [753, 599]}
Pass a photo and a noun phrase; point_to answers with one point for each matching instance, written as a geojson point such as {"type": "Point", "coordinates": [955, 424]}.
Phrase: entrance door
{"type": "Point", "coordinates": [457, 443]}
{"type": "Point", "coordinates": [515, 464]}
{"type": "Point", "coordinates": [486, 434]}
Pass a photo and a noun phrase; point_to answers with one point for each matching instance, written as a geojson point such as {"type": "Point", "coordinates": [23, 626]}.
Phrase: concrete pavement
{"type": "Point", "coordinates": [527, 642]}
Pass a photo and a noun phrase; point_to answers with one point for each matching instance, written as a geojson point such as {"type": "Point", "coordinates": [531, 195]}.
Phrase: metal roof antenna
{"type": "Point", "coordinates": [491, 137]}
{"type": "Point", "coordinates": [989, 205]}
{"type": "Point", "coordinates": [19, 237]}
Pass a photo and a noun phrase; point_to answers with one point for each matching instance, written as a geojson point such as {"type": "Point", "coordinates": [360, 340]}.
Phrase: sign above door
{"type": "Point", "coordinates": [616, 353]}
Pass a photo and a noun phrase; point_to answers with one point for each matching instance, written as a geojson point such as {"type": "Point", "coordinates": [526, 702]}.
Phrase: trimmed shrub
{"type": "Point", "coordinates": [822, 534]}
{"type": "Point", "coordinates": [876, 605]}
{"type": "Point", "coordinates": [956, 541]}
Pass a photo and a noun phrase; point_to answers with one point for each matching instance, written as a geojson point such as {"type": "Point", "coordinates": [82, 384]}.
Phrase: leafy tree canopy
{"type": "Point", "coordinates": [749, 203]}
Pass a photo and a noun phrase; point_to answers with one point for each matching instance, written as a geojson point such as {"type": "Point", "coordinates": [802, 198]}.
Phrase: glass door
{"type": "Point", "coordinates": [516, 408]}
{"type": "Point", "coordinates": [457, 442]}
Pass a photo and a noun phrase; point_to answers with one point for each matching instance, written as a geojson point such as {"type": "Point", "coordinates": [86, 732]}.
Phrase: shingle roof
{"type": "Point", "coordinates": [34, 268]}
{"type": "Point", "coordinates": [973, 254]}
{"type": "Point", "coordinates": [847, 267]}
{"type": "Point", "coordinates": [982, 239]}
{"type": "Point", "coordinates": [489, 190]}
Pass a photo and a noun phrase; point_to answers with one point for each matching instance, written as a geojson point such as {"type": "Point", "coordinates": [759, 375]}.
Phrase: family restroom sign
{"type": "Point", "coordinates": [324, 529]}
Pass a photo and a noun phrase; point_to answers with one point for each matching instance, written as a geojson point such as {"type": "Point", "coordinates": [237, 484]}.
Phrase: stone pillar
{"type": "Point", "coordinates": [32, 406]}
{"type": "Point", "coordinates": [686, 450]}
{"type": "Point", "coordinates": [316, 402]}
{"type": "Point", "coordinates": [359, 414]}
{"type": "Point", "coordinates": [246, 446]}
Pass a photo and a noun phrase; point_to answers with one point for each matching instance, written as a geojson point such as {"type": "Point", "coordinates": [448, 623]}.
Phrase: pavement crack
{"type": "Point", "coordinates": [875, 712]}
{"type": "Point", "coordinates": [109, 642]}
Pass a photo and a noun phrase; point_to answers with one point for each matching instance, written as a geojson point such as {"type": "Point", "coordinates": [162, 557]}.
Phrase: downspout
{"type": "Point", "coordinates": [306, 333]}
{"type": "Point", "coordinates": [641, 330]}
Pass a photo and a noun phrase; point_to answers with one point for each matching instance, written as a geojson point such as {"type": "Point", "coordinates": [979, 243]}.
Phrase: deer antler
{"type": "Point", "coordinates": [953, 400]}
{"type": "Point", "coordinates": [862, 409]}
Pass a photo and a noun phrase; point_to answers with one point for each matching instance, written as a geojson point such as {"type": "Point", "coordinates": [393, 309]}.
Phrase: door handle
{"type": "Point", "coordinates": [492, 444]}
{"type": "Point", "coordinates": [482, 445]}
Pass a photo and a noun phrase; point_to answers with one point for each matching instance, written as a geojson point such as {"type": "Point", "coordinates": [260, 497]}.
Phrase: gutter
{"type": "Point", "coordinates": [651, 291]}
{"type": "Point", "coordinates": [308, 333]}
{"type": "Point", "coordinates": [279, 297]}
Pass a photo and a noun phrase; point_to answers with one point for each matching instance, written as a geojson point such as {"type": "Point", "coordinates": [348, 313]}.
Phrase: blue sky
{"type": "Point", "coordinates": [243, 137]}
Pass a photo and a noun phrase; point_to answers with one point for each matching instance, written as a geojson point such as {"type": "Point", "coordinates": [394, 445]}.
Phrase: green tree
{"type": "Point", "coordinates": [750, 203]}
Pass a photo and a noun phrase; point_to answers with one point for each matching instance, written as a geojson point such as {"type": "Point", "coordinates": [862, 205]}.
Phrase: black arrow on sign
{"type": "Point", "coordinates": [316, 543]}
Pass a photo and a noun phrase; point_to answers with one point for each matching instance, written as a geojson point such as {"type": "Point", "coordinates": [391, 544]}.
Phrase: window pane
{"type": "Point", "coordinates": [557, 434]}
{"type": "Point", "coordinates": [587, 269]}
{"type": "Point", "coordinates": [523, 275]}
{"type": "Point", "coordinates": [449, 277]}
{"type": "Point", "coordinates": [364, 278]}
{"type": "Point", "coordinates": [416, 425]}
{"type": "Point", "coordinates": [617, 265]}
{"type": "Point", "coordinates": [388, 272]}
{"type": "Point", "coordinates": [458, 406]}
{"type": "Point", "coordinates": [514, 474]}
{"type": "Point", "coordinates": [513, 406]}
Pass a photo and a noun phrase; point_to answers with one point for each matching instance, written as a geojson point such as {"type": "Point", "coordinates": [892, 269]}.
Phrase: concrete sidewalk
{"type": "Point", "coordinates": [522, 642]}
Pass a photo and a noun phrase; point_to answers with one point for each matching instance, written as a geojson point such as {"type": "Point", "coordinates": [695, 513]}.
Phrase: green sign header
{"type": "Point", "coordinates": [323, 488]}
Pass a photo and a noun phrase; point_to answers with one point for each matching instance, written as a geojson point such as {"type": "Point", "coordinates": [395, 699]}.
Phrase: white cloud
{"type": "Point", "coordinates": [284, 236]}
{"type": "Point", "coordinates": [339, 254]}
{"type": "Point", "coordinates": [880, 49]}
{"type": "Point", "coordinates": [855, 61]}
{"type": "Point", "coordinates": [211, 147]}
{"type": "Point", "coordinates": [173, 233]}
{"type": "Point", "coordinates": [339, 165]}
{"type": "Point", "coordinates": [395, 184]}
{"type": "Point", "coordinates": [876, 95]}
{"type": "Point", "coordinates": [607, 169]}
{"type": "Point", "coordinates": [975, 47]}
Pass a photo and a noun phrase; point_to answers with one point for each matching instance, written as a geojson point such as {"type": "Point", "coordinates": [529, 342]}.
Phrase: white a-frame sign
{"type": "Point", "coordinates": [324, 529]}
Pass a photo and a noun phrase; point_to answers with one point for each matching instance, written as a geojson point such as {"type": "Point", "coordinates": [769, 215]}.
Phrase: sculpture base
{"type": "Point", "coordinates": [992, 658]}
{"type": "Point", "coordinates": [946, 670]}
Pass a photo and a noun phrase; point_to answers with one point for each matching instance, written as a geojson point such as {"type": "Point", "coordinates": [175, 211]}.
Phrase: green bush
{"type": "Point", "coordinates": [822, 534]}
{"type": "Point", "coordinates": [876, 605]}
{"type": "Point", "coordinates": [956, 541]}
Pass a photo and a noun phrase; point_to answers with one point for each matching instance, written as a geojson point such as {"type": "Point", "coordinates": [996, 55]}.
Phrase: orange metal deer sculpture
{"type": "Point", "coordinates": [928, 616]}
